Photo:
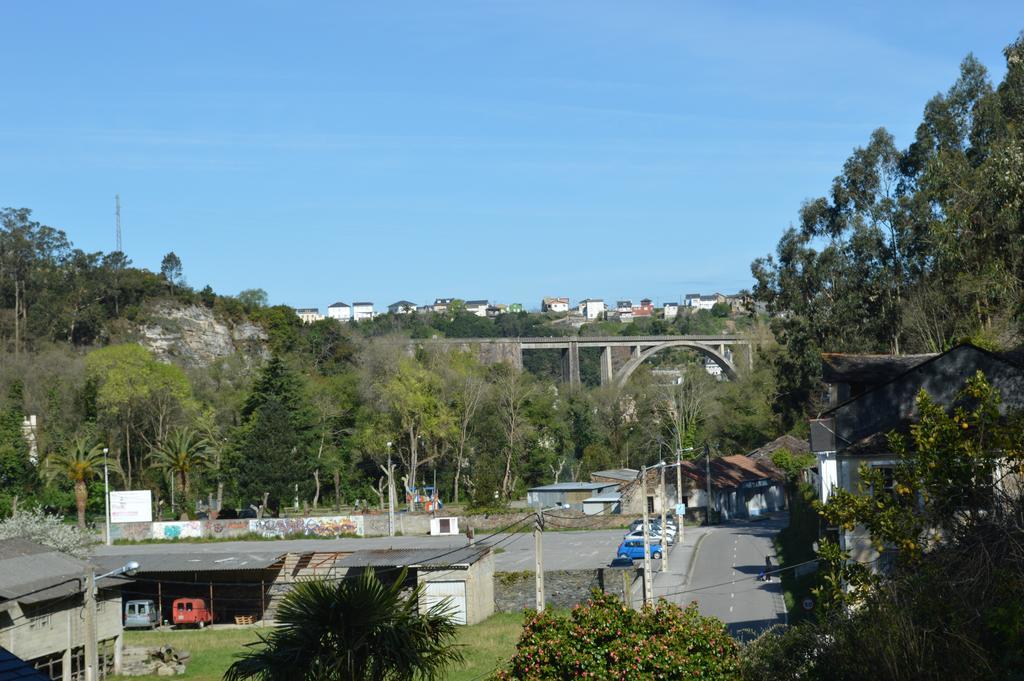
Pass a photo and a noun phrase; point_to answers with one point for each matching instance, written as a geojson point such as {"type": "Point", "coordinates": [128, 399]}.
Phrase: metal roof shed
{"type": "Point", "coordinates": [463, 577]}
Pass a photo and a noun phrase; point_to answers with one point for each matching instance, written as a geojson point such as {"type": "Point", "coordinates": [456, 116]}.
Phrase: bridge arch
{"type": "Point", "coordinates": [623, 374]}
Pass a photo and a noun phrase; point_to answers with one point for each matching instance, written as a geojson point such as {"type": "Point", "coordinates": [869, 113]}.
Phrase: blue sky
{"type": "Point", "coordinates": [502, 150]}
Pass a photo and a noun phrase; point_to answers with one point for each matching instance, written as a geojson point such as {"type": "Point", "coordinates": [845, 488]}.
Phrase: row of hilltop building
{"type": "Point", "coordinates": [588, 308]}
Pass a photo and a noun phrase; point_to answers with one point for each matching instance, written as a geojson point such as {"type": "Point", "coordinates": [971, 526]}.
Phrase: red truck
{"type": "Point", "coordinates": [189, 611]}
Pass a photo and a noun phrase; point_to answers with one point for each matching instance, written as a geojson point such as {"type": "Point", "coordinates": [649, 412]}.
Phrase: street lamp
{"type": "Point", "coordinates": [92, 645]}
{"type": "Point", "coordinates": [106, 495]}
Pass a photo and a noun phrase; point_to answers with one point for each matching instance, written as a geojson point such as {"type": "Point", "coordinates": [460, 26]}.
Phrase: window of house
{"type": "Point", "coordinates": [888, 476]}
{"type": "Point", "coordinates": [650, 504]}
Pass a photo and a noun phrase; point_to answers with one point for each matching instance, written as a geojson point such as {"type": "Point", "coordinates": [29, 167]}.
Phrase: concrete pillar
{"type": "Point", "coordinates": [607, 375]}
{"type": "Point", "coordinates": [635, 351]}
{"type": "Point", "coordinates": [65, 664]}
{"type": "Point", "coordinates": [571, 363]}
{"type": "Point", "coordinates": [118, 651]}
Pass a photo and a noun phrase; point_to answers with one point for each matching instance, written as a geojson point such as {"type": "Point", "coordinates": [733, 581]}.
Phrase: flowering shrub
{"type": "Point", "coordinates": [49, 530]}
{"type": "Point", "coordinates": [605, 640]}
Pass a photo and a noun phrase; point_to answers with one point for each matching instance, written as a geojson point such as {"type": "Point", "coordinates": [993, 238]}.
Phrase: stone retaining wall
{"type": "Point", "coordinates": [563, 589]}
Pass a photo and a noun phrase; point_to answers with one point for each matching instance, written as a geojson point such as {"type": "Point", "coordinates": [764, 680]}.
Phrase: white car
{"type": "Point", "coordinates": [654, 536]}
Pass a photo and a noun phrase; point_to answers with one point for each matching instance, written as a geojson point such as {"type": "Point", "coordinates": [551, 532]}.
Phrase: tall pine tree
{"type": "Point", "coordinates": [273, 448]}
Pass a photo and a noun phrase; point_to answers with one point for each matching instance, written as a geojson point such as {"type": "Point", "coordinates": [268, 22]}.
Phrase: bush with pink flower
{"type": "Point", "coordinates": [605, 640]}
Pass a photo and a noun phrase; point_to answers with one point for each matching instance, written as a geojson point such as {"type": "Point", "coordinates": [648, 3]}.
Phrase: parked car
{"type": "Point", "coordinates": [654, 536]}
{"type": "Point", "coordinates": [655, 523]}
{"type": "Point", "coordinates": [191, 611]}
{"type": "Point", "coordinates": [634, 549]}
{"type": "Point", "coordinates": [141, 615]}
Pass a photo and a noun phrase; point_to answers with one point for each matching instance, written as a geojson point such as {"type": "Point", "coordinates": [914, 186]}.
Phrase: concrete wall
{"type": "Point", "coordinates": [51, 628]}
{"type": "Point", "coordinates": [327, 526]}
{"type": "Point", "coordinates": [516, 591]}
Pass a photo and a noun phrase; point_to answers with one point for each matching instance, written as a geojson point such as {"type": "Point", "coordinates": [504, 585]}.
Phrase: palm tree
{"type": "Point", "coordinates": [82, 462]}
{"type": "Point", "coordinates": [357, 629]}
{"type": "Point", "coordinates": [182, 453]}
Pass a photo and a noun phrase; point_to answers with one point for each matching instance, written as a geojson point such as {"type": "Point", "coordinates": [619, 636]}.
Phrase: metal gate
{"type": "Point", "coordinates": [454, 593]}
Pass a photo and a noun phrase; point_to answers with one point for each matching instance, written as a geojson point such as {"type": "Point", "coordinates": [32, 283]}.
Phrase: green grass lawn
{"type": "Point", "coordinates": [485, 646]}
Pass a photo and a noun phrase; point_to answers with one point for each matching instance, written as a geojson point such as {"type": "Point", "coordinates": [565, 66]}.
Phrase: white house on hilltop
{"type": "Point", "coordinates": [591, 308]}
{"type": "Point", "coordinates": [554, 305]}
{"type": "Point", "coordinates": [340, 311]}
{"type": "Point", "coordinates": [362, 311]}
{"type": "Point", "coordinates": [402, 307]}
{"type": "Point", "coordinates": [308, 315]}
{"type": "Point", "coordinates": [477, 307]}
{"type": "Point", "coordinates": [671, 310]}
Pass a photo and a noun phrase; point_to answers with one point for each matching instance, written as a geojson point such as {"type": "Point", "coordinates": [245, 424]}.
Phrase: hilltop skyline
{"type": "Point", "coordinates": [506, 152]}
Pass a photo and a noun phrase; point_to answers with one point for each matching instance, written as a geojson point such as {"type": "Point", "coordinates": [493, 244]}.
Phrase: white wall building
{"type": "Point", "coordinates": [671, 310]}
{"type": "Point", "coordinates": [402, 307]}
{"type": "Point", "coordinates": [592, 308]}
{"type": "Point", "coordinates": [554, 305]}
{"type": "Point", "coordinates": [308, 315]}
{"type": "Point", "coordinates": [340, 311]}
{"type": "Point", "coordinates": [362, 311]}
{"type": "Point", "coordinates": [477, 307]}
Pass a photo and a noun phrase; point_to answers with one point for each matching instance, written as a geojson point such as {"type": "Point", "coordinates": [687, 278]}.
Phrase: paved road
{"type": "Point", "coordinates": [562, 550]}
{"type": "Point", "coordinates": [724, 573]}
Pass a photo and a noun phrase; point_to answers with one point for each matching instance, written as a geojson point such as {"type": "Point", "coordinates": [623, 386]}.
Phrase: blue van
{"type": "Point", "coordinates": [634, 549]}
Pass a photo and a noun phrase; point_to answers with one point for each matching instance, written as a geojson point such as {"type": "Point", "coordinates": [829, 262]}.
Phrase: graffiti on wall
{"type": "Point", "coordinates": [333, 526]}
{"type": "Point", "coordinates": [178, 529]}
{"type": "Point", "coordinates": [227, 528]}
{"type": "Point", "coordinates": [131, 531]}
{"type": "Point", "coordinates": [328, 526]}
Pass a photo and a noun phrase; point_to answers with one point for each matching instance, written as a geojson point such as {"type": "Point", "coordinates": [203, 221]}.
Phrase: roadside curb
{"type": "Point", "coordinates": [693, 557]}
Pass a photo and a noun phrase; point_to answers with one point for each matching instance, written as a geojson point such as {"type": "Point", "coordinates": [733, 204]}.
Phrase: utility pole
{"type": "Point", "coordinates": [707, 463]}
{"type": "Point", "coordinates": [538, 558]}
{"type": "Point", "coordinates": [391, 495]}
{"type": "Point", "coordinates": [679, 495]}
{"type": "Point", "coordinates": [92, 661]}
{"type": "Point", "coordinates": [664, 525]}
{"type": "Point", "coordinates": [648, 585]}
{"type": "Point", "coordinates": [106, 495]}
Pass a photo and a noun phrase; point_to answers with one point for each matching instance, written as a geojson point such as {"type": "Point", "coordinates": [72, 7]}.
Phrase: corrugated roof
{"type": "Point", "coordinates": [194, 562]}
{"type": "Point", "coordinates": [730, 471]}
{"type": "Point", "coordinates": [13, 668]}
{"type": "Point", "coordinates": [32, 573]}
{"type": "Point", "coordinates": [572, 487]}
{"type": "Point", "coordinates": [426, 558]}
{"type": "Point", "coordinates": [624, 474]}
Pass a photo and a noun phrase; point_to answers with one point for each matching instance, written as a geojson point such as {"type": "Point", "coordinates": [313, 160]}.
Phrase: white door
{"type": "Point", "coordinates": [454, 592]}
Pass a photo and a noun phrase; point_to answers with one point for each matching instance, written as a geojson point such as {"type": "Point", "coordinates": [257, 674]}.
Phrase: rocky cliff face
{"type": "Point", "coordinates": [193, 336]}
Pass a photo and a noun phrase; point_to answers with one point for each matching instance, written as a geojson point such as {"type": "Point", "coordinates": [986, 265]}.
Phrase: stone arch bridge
{"type": "Point", "coordinates": [493, 350]}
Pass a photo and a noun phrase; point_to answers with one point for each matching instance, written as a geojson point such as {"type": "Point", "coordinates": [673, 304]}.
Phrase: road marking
{"type": "Point", "coordinates": [730, 608]}
{"type": "Point", "coordinates": [732, 595]}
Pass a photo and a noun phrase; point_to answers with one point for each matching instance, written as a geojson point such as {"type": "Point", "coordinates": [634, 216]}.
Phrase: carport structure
{"type": "Point", "coordinates": [232, 584]}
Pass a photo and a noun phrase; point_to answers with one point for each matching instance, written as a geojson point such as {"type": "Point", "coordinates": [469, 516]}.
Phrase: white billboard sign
{"type": "Point", "coordinates": [132, 506]}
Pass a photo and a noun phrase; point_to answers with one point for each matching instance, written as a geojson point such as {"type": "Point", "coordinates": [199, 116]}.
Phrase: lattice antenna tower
{"type": "Point", "coordinates": [117, 219]}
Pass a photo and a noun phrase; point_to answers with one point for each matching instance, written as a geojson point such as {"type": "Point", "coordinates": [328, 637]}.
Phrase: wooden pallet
{"type": "Point", "coordinates": [245, 619]}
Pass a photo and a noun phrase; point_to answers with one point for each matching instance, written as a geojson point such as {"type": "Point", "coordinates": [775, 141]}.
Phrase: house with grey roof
{"type": "Point", "coordinates": [42, 610]}
{"type": "Point", "coordinates": [572, 494]}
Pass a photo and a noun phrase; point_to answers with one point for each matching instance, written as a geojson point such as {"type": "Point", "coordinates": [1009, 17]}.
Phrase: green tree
{"type": "Point", "coordinates": [171, 269]}
{"type": "Point", "coordinates": [358, 629]}
{"type": "Point", "coordinates": [183, 454]}
{"type": "Point", "coordinates": [253, 298]}
{"type": "Point", "coordinates": [82, 462]}
{"type": "Point", "coordinates": [140, 396]}
{"type": "Point", "coordinates": [604, 640]}
{"type": "Point", "coordinates": [272, 449]}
